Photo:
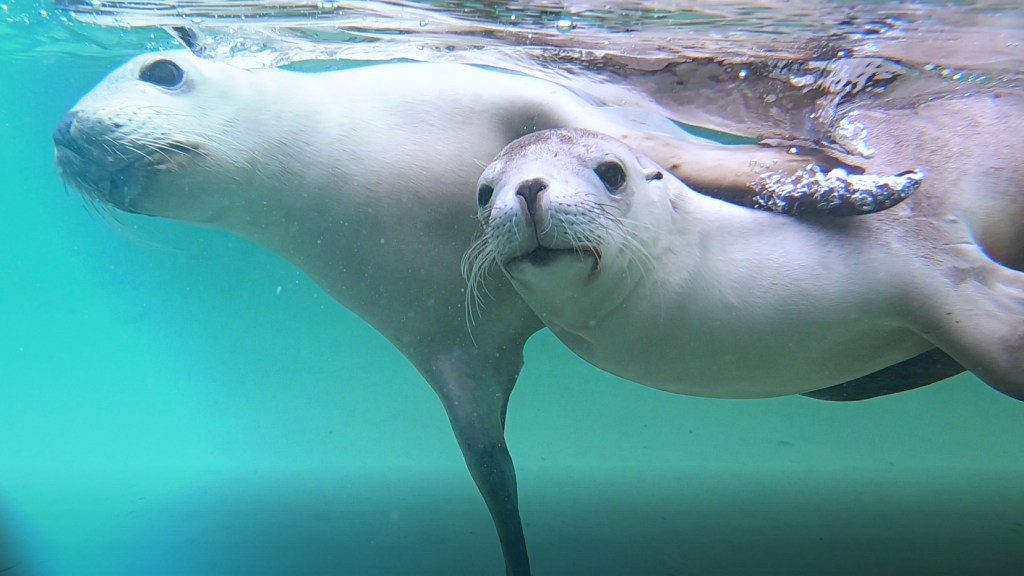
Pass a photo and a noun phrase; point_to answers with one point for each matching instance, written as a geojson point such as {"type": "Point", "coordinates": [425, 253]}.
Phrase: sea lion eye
{"type": "Point", "coordinates": [612, 174]}
{"type": "Point", "coordinates": [163, 73]}
{"type": "Point", "coordinates": [483, 195]}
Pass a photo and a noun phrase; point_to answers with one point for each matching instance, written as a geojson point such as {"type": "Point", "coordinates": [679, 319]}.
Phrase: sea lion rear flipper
{"type": "Point", "coordinates": [921, 370]}
{"type": "Point", "coordinates": [978, 319]}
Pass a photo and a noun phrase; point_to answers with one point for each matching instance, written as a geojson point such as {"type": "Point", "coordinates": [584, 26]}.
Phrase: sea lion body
{"type": "Point", "coordinates": [819, 313]}
{"type": "Point", "coordinates": [675, 290]}
{"type": "Point", "coordinates": [358, 177]}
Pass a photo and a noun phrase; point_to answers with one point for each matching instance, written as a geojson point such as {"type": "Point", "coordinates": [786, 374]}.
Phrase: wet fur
{"type": "Point", "coordinates": [929, 262]}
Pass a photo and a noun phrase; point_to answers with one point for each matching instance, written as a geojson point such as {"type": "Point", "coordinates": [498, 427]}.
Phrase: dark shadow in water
{"type": "Point", "coordinates": [582, 524]}
{"type": "Point", "coordinates": [13, 558]}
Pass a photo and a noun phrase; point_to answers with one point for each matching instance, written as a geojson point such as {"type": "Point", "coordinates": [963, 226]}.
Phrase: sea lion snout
{"type": "Point", "coordinates": [62, 133]}
{"type": "Point", "coordinates": [529, 190]}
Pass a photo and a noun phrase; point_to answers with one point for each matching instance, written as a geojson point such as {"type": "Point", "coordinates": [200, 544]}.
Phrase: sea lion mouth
{"type": "Point", "coordinates": [543, 256]}
{"type": "Point", "coordinates": [114, 177]}
{"type": "Point", "coordinates": [114, 184]}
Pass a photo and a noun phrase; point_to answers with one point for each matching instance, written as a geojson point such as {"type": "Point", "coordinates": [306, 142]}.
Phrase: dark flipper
{"type": "Point", "coordinates": [187, 37]}
{"type": "Point", "coordinates": [921, 370]}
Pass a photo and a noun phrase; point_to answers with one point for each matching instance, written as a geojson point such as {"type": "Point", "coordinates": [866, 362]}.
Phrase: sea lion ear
{"type": "Point", "coordinates": [652, 174]}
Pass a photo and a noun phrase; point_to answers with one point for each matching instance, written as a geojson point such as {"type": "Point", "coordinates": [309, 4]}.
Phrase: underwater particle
{"type": "Point", "coordinates": [4, 8]}
{"type": "Point", "coordinates": [44, 14]}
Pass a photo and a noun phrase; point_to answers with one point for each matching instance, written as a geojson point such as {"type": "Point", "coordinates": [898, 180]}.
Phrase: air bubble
{"type": "Point", "coordinates": [742, 73]}
{"type": "Point", "coordinates": [424, 22]}
{"type": "Point", "coordinates": [565, 25]}
{"type": "Point", "coordinates": [802, 81]}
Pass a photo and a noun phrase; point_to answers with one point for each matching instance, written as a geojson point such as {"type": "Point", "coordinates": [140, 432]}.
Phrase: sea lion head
{"type": "Point", "coordinates": [162, 135]}
{"type": "Point", "coordinates": [572, 215]}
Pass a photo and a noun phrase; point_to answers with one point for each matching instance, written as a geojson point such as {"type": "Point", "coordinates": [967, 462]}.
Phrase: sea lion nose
{"type": "Point", "coordinates": [529, 190]}
{"type": "Point", "coordinates": [62, 134]}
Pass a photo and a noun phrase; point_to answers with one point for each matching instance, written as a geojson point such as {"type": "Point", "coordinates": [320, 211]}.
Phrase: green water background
{"type": "Point", "coordinates": [178, 401]}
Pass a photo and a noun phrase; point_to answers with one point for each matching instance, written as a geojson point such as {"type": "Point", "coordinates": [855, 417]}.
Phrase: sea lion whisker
{"type": "Point", "coordinates": [551, 223]}
{"type": "Point", "coordinates": [207, 136]}
{"type": "Point", "coordinates": [172, 145]}
{"type": "Point", "coordinates": [219, 143]}
{"type": "Point", "coordinates": [114, 151]}
{"type": "Point", "coordinates": [154, 146]}
{"type": "Point", "coordinates": [130, 147]}
{"type": "Point", "coordinates": [104, 212]}
{"type": "Point", "coordinates": [632, 246]}
{"type": "Point", "coordinates": [606, 209]}
{"type": "Point", "coordinates": [638, 255]}
{"type": "Point", "coordinates": [571, 234]}
{"type": "Point", "coordinates": [475, 266]}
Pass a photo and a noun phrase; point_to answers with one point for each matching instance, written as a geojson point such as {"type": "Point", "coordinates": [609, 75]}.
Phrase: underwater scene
{"type": "Point", "coordinates": [729, 287]}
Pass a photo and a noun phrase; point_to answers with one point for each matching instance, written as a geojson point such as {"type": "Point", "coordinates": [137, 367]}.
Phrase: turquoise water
{"type": "Point", "coordinates": [178, 401]}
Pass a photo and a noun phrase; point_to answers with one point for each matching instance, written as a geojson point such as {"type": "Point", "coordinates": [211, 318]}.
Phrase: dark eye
{"type": "Point", "coordinates": [163, 73]}
{"type": "Point", "coordinates": [483, 195]}
{"type": "Point", "coordinates": [612, 174]}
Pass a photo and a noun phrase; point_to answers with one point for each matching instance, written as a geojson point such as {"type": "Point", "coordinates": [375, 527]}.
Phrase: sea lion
{"type": "Point", "coordinates": [646, 279]}
{"type": "Point", "coordinates": [358, 177]}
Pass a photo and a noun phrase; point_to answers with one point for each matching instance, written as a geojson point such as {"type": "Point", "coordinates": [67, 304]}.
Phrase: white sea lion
{"type": "Point", "coordinates": [358, 177]}
{"type": "Point", "coordinates": [647, 279]}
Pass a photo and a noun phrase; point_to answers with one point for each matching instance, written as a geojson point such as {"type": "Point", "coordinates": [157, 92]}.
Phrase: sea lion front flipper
{"type": "Point", "coordinates": [794, 180]}
{"type": "Point", "coordinates": [810, 190]}
{"type": "Point", "coordinates": [922, 370]}
{"type": "Point", "coordinates": [474, 387]}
